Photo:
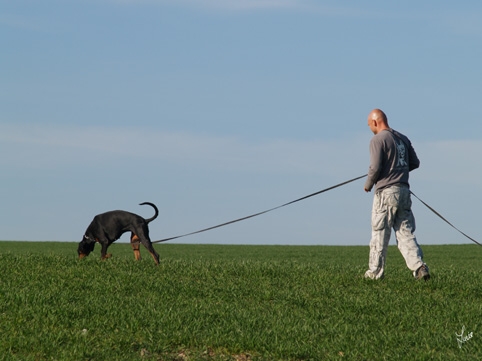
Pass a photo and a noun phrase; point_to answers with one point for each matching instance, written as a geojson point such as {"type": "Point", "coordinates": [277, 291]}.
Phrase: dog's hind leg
{"type": "Point", "coordinates": [146, 242]}
{"type": "Point", "coordinates": [136, 244]}
{"type": "Point", "coordinates": [142, 234]}
{"type": "Point", "coordinates": [152, 251]}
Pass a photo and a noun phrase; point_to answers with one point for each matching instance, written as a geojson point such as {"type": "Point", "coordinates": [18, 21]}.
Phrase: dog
{"type": "Point", "coordinates": [106, 228]}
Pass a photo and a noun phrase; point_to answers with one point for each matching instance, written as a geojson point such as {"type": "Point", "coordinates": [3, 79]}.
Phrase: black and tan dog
{"type": "Point", "coordinates": [106, 228]}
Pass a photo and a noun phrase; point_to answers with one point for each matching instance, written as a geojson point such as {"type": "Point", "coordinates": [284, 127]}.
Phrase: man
{"type": "Point", "coordinates": [392, 157]}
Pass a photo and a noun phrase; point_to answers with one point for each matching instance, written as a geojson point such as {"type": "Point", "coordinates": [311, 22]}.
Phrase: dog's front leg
{"type": "Point", "coordinates": [103, 252]}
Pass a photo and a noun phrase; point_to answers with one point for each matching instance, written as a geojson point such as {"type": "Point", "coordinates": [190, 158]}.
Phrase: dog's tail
{"type": "Point", "coordinates": [155, 209]}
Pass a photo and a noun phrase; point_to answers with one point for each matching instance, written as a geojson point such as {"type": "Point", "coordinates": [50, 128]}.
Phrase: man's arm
{"type": "Point", "coordinates": [413, 161]}
{"type": "Point", "coordinates": [375, 165]}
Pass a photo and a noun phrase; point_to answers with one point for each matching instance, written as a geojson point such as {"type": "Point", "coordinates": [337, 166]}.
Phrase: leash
{"type": "Point", "coordinates": [445, 220]}
{"type": "Point", "coordinates": [306, 197]}
{"type": "Point", "coordinates": [263, 212]}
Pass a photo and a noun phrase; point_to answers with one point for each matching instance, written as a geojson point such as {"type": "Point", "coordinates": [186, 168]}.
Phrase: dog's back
{"type": "Point", "coordinates": [113, 224]}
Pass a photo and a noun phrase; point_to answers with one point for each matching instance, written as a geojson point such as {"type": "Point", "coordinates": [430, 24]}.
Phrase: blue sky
{"type": "Point", "coordinates": [217, 109]}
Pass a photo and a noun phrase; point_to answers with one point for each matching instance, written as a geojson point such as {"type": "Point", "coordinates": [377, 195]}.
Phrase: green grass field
{"type": "Point", "coordinates": [213, 302]}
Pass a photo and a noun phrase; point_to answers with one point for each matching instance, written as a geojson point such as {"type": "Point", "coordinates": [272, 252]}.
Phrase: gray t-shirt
{"type": "Point", "coordinates": [392, 157]}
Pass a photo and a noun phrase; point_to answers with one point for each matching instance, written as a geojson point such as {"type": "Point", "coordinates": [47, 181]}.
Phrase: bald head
{"type": "Point", "coordinates": [377, 121]}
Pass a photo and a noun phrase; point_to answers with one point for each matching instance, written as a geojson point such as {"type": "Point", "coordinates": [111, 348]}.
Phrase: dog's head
{"type": "Point", "coordinates": [85, 247]}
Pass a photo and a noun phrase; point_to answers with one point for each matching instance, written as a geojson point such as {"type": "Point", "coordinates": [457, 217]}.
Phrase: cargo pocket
{"type": "Point", "coordinates": [379, 220]}
{"type": "Point", "coordinates": [379, 213]}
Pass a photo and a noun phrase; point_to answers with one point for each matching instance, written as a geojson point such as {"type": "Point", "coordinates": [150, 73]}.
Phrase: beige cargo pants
{"type": "Point", "coordinates": [392, 208]}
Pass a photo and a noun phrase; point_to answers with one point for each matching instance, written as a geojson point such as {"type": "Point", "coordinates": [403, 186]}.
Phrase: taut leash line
{"type": "Point", "coordinates": [306, 197]}
{"type": "Point", "coordinates": [445, 220]}
{"type": "Point", "coordinates": [263, 212]}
